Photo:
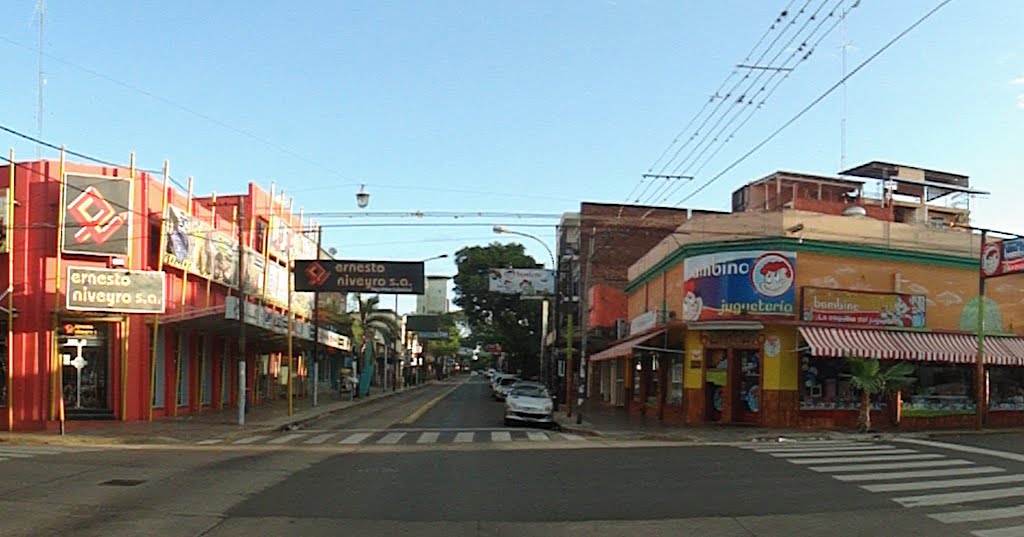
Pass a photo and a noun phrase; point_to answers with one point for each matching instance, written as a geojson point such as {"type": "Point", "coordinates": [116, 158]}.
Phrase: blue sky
{"type": "Point", "coordinates": [509, 107]}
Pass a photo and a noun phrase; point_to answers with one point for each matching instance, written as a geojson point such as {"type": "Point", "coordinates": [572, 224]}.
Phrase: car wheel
{"type": "Point", "coordinates": [508, 422]}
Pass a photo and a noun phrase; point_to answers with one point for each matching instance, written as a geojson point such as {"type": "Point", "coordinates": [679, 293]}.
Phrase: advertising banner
{"type": "Point", "coordinates": [97, 215]}
{"type": "Point", "coordinates": [254, 263]}
{"type": "Point", "coordinates": [4, 217]}
{"type": "Point", "coordinates": [522, 281]}
{"type": "Point", "coordinates": [1002, 258]}
{"type": "Point", "coordinates": [393, 277]}
{"type": "Point", "coordinates": [115, 290]}
{"type": "Point", "coordinates": [281, 239]}
{"type": "Point", "coordinates": [738, 285]}
{"type": "Point", "coordinates": [193, 246]}
{"type": "Point", "coordinates": [864, 308]}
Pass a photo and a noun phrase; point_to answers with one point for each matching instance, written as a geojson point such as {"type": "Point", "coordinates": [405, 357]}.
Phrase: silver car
{"type": "Point", "coordinates": [528, 403]}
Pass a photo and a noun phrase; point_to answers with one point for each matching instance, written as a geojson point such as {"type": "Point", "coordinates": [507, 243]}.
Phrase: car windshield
{"type": "Point", "coordinates": [529, 391]}
{"type": "Point", "coordinates": [509, 381]}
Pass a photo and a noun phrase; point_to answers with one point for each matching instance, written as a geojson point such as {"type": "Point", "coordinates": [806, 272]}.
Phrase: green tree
{"type": "Point", "coordinates": [494, 317]}
{"type": "Point", "coordinates": [868, 377]}
{"type": "Point", "coordinates": [369, 322]}
{"type": "Point", "coordinates": [449, 322]}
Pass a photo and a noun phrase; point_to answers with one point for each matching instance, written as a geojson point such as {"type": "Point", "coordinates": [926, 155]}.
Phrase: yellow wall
{"type": "Point", "coordinates": [780, 372]}
{"type": "Point", "coordinates": [948, 289]}
{"type": "Point", "coordinates": [693, 378]}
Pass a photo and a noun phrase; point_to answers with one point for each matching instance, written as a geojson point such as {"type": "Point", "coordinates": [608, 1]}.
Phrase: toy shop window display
{"type": "Point", "coordinates": [825, 385]}
{"type": "Point", "coordinates": [940, 390]}
{"type": "Point", "coordinates": [1006, 388]}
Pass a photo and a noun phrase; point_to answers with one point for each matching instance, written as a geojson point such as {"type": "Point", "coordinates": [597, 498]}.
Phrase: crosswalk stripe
{"type": "Point", "coordinates": [251, 439]}
{"type": "Point", "coordinates": [979, 515]}
{"type": "Point", "coordinates": [391, 438]}
{"type": "Point", "coordinates": [320, 438]}
{"type": "Point", "coordinates": [30, 451]}
{"type": "Point", "coordinates": [464, 437]}
{"type": "Point", "coordinates": [286, 438]}
{"type": "Point", "coordinates": [1011, 531]}
{"type": "Point", "coordinates": [572, 437]}
{"type": "Point", "coordinates": [210, 441]}
{"type": "Point", "coordinates": [428, 438]}
{"type": "Point", "coordinates": [831, 447]}
{"type": "Point", "coordinates": [17, 455]}
{"type": "Point", "coordinates": [948, 472]}
{"type": "Point", "coordinates": [355, 438]}
{"type": "Point", "coordinates": [945, 483]}
{"type": "Point", "coordinates": [949, 498]}
{"type": "Point", "coordinates": [536, 435]}
{"type": "Point", "coordinates": [501, 436]}
{"type": "Point", "coordinates": [871, 458]}
{"type": "Point", "coordinates": [893, 466]}
{"type": "Point", "coordinates": [845, 453]}
{"type": "Point", "coordinates": [761, 445]}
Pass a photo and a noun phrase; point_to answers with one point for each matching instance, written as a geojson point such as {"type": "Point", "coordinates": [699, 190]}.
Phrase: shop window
{"type": "Point", "coordinates": [940, 390]}
{"type": "Point", "coordinates": [637, 374]}
{"type": "Point", "coordinates": [225, 374]}
{"type": "Point", "coordinates": [825, 385]}
{"type": "Point", "coordinates": [159, 369]}
{"type": "Point", "coordinates": [1006, 388]}
{"type": "Point", "coordinates": [206, 369]}
{"type": "Point", "coordinates": [261, 234]}
{"type": "Point", "coordinates": [652, 380]}
{"type": "Point", "coordinates": [675, 393]}
{"type": "Point", "coordinates": [154, 245]}
{"type": "Point", "coordinates": [183, 359]}
{"type": "Point", "coordinates": [85, 354]}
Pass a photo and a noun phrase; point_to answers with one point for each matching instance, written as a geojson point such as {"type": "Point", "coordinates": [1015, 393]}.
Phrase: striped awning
{"type": "Point", "coordinates": [919, 346]}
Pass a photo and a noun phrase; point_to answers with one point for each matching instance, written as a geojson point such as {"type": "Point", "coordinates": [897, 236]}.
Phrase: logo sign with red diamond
{"type": "Point", "coordinates": [97, 215]}
{"type": "Point", "coordinates": [392, 277]}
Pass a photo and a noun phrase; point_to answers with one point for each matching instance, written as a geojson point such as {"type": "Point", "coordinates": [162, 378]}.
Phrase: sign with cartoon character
{"type": "Point", "coordinates": [1001, 258]}
{"type": "Point", "coordinates": [863, 307]}
{"type": "Point", "coordinates": [522, 281]}
{"type": "Point", "coordinates": [742, 284]}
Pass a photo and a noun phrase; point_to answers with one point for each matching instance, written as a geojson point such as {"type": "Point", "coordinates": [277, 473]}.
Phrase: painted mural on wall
{"type": "Point", "coordinates": [742, 284]}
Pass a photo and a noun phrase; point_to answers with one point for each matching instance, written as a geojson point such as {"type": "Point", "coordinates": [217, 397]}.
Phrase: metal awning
{"type": "Point", "coordinates": [917, 346]}
{"type": "Point", "coordinates": [625, 348]}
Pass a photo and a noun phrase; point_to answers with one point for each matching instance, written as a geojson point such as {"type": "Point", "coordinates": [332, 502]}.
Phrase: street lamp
{"type": "Point", "coordinates": [499, 229]}
{"type": "Point", "coordinates": [362, 197]}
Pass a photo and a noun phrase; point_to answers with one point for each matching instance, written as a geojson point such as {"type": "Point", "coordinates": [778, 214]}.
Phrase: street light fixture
{"type": "Point", "coordinates": [499, 229]}
{"type": "Point", "coordinates": [362, 197]}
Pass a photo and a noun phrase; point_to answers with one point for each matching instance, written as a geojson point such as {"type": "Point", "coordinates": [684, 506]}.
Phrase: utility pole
{"type": "Point", "coordinates": [584, 326]}
{"type": "Point", "coordinates": [316, 323]}
{"type": "Point", "coordinates": [242, 299]}
{"type": "Point", "coordinates": [979, 371]}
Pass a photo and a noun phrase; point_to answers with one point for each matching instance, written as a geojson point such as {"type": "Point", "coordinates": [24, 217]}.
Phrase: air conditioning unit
{"type": "Point", "coordinates": [621, 328]}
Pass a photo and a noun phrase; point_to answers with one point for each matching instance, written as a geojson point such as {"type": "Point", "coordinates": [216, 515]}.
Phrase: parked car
{"type": "Point", "coordinates": [503, 385]}
{"type": "Point", "coordinates": [529, 403]}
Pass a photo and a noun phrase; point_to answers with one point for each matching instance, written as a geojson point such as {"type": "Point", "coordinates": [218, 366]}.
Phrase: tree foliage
{"type": "Point", "coordinates": [868, 377]}
{"type": "Point", "coordinates": [494, 317]}
{"type": "Point", "coordinates": [450, 347]}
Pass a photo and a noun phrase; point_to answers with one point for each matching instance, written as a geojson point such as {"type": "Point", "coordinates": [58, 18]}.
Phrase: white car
{"type": "Point", "coordinates": [502, 385]}
{"type": "Point", "coordinates": [528, 403]}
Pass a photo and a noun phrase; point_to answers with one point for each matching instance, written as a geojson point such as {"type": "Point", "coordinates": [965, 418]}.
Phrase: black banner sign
{"type": "Point", "coordinates": [393, 277]}
{"type": "Point", "coordinates": [97, 215]}
{"type": "Point", "coordinates": [113, 290]}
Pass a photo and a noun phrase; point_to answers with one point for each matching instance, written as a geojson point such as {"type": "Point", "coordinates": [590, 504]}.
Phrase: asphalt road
{"type": "Point", "coordinates": [593, 488]}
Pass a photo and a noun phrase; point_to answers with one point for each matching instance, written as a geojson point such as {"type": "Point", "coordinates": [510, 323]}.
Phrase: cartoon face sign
{"type": "Point", "coordinates": [991, 256]}
{"type": "Point", "coordinates": [693, 305]}
{"type": "Point", "coordinates": [772, 275]}
{"type": "Point", "coordinates": [772, 346]}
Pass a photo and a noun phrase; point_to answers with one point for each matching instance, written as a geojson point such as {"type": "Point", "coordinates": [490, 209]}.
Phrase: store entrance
{"type": "Point", "coordinates": [85, 355]}
{"type": "Point", "coordinates": [746, 392]}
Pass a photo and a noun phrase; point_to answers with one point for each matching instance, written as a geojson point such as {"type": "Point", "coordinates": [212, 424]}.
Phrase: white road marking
{"type": "Point", "coordinates": [320, 438]}
{"type": "Point", "coordinates": [464, 437]}
{"type": "Point", "coordinates": [945, 483]}
{"type": "Point", "coordinates": [501, 436]}
{"type": "Point", "coordinates": [845, 453]}
{"type": "Point", "coordinates": [391, 438]}
{"type": "Point", "coordinates": [573, 437]}
{"type": "Point", "coordinates": [947, 472]}
{"type": "Point", "coordinates": [950, 498]}
{"type": "Point", "coordinates": [1011, 531]}
{"type": "Point", "coordinates": [895, 466]}
{"type": "Point", "coordinates": [355, 438]}
{"type": "Point", "coordinates": [34, 451]}
{"type": "Point", "coordinates": [964, 449]}
{"type": "Point", "coordinates": [979, 515]}
{"type": "Point", "coordinates": [794, 445]}
{"type": "Point", "coordinates": [16, 455]}
{"type": "Point", "coordinates": [537, 435]}
{"type": "Point", "coordinates": [830, 447]}
{"type": "Point", "coordinates": [210, 441]}
{"type": "Point", "coordinates": [428, 438]}
{"type": "Point", "coordinates": [251, 439]}
{"type": "Point", "coordinates": [287, 438]}
{"type": "Point", "coordinates": [871, 458]}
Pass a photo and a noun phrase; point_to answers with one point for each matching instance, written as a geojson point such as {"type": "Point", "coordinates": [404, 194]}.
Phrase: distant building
{"type": "Point", "coordinates": [434, 300]}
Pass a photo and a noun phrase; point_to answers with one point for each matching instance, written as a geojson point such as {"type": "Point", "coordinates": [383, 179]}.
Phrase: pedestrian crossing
{"type": "Point", "coordinates": [22, 452]}
{"type": "Point", "coordinates": [987, 500]}
{"type": "Point", "coordinates": [391, 437]}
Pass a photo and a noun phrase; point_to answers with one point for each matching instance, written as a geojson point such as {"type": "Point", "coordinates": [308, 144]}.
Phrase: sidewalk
{"type": "Point", "coordinates": [265, 417]}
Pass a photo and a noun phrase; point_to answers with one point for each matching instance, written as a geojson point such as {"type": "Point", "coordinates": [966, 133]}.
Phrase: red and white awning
{"type": "Point", "coordinates": [624, 349]}
{"type": "Point", "coordinates": [919, 346]}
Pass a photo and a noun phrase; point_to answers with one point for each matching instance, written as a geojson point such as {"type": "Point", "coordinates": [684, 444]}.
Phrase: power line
{"type": "Point", "coordinates": [815, 102]}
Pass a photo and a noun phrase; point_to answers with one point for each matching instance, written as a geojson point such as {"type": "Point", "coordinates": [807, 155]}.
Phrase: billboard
{"type": "Point", "coordinates": [739, 285]}
{"type": "Point", "coordinates": [394, 277]}
{"type": "Point", "coordinates": [522, 281]}
{"type": "Point", "coordinates": [115, 290]}
{"type": "Point", "coordinates": [862, 307]}
{"type": "Point", "coordinates": [97, 215]}
{"type": "Point", "coordinates": [193, 246]}
{"type": "Point", "coordinates": [1002, 258]}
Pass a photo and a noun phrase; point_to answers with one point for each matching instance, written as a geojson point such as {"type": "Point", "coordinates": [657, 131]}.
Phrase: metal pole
{"type": "Point", "coordinates": [316, 323]}
{"type": "Point", "coordinates": [568, 366]}
{"type": "Point", "coordinates": [162, 241]}
{"type": "Point", "coordinates": [584, 327]}
{"type": "Point", "coordinates": [543, 336]}
{"type": "Point", "coordinates": [979, 371]}
{"type": "Point", "coordinates": [242, 299]}
{"type": "Point", "coordinates": [9, 381]}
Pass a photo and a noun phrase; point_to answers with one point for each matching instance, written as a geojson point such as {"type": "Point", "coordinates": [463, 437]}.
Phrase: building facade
{"type": "Point", "coordinates": [132, 300]}
{"type": "Point", "coordinates": [765, 306]}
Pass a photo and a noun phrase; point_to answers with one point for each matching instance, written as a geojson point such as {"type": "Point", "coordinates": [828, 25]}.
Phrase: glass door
{"type": "Point", "coordinates": [747, 397]}
{"type": "Point", "coordinates": [85, 356]}
{"type": "Point", "coordinates": [716, 380]}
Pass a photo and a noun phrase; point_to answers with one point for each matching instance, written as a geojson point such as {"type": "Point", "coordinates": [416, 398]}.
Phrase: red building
{"type": "Point", "coordinates": [104, 262]}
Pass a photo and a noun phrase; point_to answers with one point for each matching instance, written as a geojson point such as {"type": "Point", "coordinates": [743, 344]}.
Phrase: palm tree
{"type": "Point", "coordinates": [369, 323]}
{"type": "Point", "coordinates": [868, 377]}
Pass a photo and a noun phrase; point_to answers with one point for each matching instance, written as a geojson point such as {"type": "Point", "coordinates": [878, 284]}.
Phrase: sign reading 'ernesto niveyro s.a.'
{"type": "Point", "coordinates": [115, 291]}
{"type": "Point", "coordinates": [396, 277]}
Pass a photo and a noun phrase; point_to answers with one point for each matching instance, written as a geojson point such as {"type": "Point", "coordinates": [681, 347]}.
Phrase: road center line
{"type": "Point", "coordinates": [419, 412]}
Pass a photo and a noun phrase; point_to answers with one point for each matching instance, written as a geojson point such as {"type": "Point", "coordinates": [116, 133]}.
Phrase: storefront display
{"type": "Point", "coordinates": [940, 390]}
{"type": "Point", "coordinates": [1006, 388]}
{"type": "Point", "coordinates": [826, 386]}
{"type": "Point", "coordinates": [86, 358]}
{"type": "Point", "coordinates": [675, 392]}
